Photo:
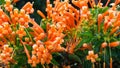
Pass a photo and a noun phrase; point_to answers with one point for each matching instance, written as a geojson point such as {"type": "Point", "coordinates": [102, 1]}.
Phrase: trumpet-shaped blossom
{"type": "Point", "coordinates": [91, 56]}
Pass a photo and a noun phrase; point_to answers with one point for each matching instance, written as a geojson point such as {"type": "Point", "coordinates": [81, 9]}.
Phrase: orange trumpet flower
{"type": "Point", "coordinates": [115, 24]}
{"type": "Point", "coordinates": [15, 1]}
{"type": "Point", "coordinates": [8, 5]}
{"type": "Point", "coordinates": [114, 30]}
{"type": "Point", "coordinates": [28, 7]}
{"type": "Point", "coordinates": [41, 14]}
{"type": "Point", "coordinates": [100, 17]}
{"type": "Point", "coordinates": [91, 56]}
{"type": "Point", "coordinates": [114, 44]}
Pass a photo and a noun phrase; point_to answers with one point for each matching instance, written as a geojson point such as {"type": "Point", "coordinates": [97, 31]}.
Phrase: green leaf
{"type": "Point", "coordinates": [104, 9]}
{"type": "Point", "coordinates": [29, 29]}
{"type": "Point", "coordinates": [79, 45]}
{"type": "Point", "coordinates": [118, 7]}
{"type": "Point", "coordinates": [39, 66]}
{"type": "Point", "coordinates": [16, 66]}
{"type": "Point", "coordinates": [17, 41]}
{"type": "Point", "coordinates": [29, 47]}
{"type": "Point", "coordinates": [54, 62]}
{"type": "Point", "coordinates": [43, 24]}
{"type": "Point", "coordinates": [74, 57]}
{"type": "Point", "coordinates": [28, 34]}
{"type": "Point", "coordinates": [2, 2]}
{"type": "Point", "coordinates": [20, 57]}
{"type": "Point", "coordinates": [18, 25]}
{"type": "Point", "coordinates": [86, 34]}
{"type": "Point", "coordinates": [57, 54]}
{"type": "Point", "coordinates": [87, 64]}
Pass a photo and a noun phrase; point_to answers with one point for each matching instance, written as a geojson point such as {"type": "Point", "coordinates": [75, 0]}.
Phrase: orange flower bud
{"type": "Point", "coordinates": [104, 45]}
{"type": "Point", "coordinates": [114, 30]}
{"type": "Point", "coordinates": [100, 17]}
{"type": "Point", "coordinates": [114, 44]}
{"type": "Point", "coordinates": [15, 1]}
{"type": "Point", "coordinates": [41, 14]}
{"type": "Point", "coordinates": [28, 7]}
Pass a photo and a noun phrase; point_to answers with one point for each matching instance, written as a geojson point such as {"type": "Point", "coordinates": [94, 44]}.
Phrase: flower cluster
{"type": "Point", "coordinates": [39, 54]}
{"type": "Point", "coordinates": [55, 39]}
{"type": "Point", "coordinates": [63, 14]}
{"type": "Point", "coordinates": [6, 54]}
{"type": "Point", "coordinates": [14, 29]}
{"type": "Point", "coordinates": [68, 28]}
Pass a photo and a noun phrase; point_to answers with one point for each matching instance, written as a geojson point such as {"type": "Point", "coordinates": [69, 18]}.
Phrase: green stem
{"type": "Point", "coordinates": [110, 54]}
{"type": "Point", "coordinates": [104, 58]}
{"type": "Point", "coordinates": [93, 65]}
{"type": "Point", "coordinates": [43, 65]}
{"type": "Point", "coordinates": [104, 54]}
{"type": "Point", "coordinates": [13, 53]}
{"type": "Point", "coordinates": [28, 34]}
{"type": "Point", "coordinates": [110, 50]}
{"type": "Point", "coordinates": [109, 46]}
